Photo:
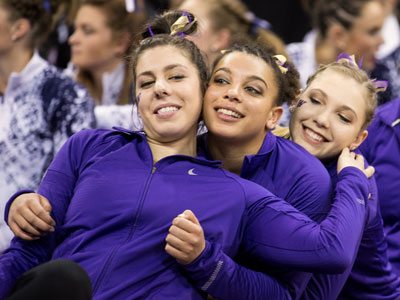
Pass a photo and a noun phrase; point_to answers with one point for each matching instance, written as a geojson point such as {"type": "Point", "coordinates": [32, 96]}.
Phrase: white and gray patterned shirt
{"type": "Point", "coordinates": [109, 114]}
{"type": "Point", "coordinates": [302, 55]}
{"type": "Point", "coordinates": [39, 110]}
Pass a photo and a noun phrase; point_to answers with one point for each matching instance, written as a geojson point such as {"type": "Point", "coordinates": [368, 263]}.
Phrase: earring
{"type": "Point", "coordinates": [292, 108]}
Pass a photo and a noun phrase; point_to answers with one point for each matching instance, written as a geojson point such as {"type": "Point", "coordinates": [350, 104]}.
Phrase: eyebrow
{"type": "Point", "coordinates": [252, 77]}
{"type": "Point", "coordinates": [167, 68]}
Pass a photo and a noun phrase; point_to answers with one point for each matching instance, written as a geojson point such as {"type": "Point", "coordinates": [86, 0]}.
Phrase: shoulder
{"type": "Point", "coordinates": [96, 137]}
{"type": "Point", "coordinates": [297, 157]}
{"type": "Point", "coordinates": [252, 192]}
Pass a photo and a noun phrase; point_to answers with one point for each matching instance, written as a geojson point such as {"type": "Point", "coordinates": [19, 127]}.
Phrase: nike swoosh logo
{"type": "Point", "coordinates": [191, 172]}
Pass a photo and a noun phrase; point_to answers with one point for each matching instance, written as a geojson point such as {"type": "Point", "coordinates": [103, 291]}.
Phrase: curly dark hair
{"type": "Point", "coordinates": [288, 83]}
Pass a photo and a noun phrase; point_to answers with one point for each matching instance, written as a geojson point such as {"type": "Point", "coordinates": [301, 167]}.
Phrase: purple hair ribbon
{"type": "Point", "coordinates": [380, 85]}
{"type": "Point", "coordinates": [150, 31]}
{"type": "Point", "coordinates": [47, 6]}
{"type": "Point", "coordinates": [130, 5]}
{"type": "Point", "coordinates": [186, 14]}
{"type": "Point", "coordinates": [351, 59]}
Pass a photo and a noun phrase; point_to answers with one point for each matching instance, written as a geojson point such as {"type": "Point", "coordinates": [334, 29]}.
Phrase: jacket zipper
{"type": "Point", "coordinates": [109, 260]}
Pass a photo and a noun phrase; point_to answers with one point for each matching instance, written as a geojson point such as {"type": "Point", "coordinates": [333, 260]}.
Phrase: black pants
{"type": "Point", "coordinates": [58, 279]}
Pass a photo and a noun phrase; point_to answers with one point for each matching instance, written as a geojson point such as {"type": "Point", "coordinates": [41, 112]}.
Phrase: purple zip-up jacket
{"type": "Point", "coordinates": [305, 185]}
{"type": "Point", "coordinates": [382, 150]}
{"type": "Point", "coordinates": [236, 281]}
{"type": "Point", "coordinates": [113, 208]}
{"type": "Point", "coordinates": [371, 277]}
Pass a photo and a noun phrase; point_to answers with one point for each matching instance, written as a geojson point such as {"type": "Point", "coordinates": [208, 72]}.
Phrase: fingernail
{"type": "Point", "coordinates": [52, 229]}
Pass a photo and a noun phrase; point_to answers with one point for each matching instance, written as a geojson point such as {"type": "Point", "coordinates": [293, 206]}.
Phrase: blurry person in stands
{"type": "Point", "coordinates": [104, 31]}
{"type": "Point", "coordinates": [39, 107]}
{"type": "Point", "coordinates": [222, 22]}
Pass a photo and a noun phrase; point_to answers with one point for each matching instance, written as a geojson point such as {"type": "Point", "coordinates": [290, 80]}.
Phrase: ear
{"type": "Point", "coordinates": [273, 118]}
{"type": "Point", "coordinates": [337, 35]}
{"type": "Point", "coordinates": [359, 139]}
{"type": "Point", "coordinates": [20, 29]}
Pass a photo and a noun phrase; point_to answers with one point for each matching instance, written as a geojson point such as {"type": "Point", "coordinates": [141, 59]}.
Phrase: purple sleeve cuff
{"type": "Point", "coordinates": [11, 200]}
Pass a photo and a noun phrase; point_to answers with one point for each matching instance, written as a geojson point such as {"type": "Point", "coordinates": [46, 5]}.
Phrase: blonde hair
{"type": "Point", "coordinates": [351, 70]}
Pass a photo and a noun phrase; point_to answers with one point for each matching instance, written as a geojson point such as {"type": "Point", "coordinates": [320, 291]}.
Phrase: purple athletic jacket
{"type": "Point", "coordinates": [113, 208]}
{"type": "Point", "coordinates": [242, 283]}
{"type": "Point", "coordinates": [382, 150]}
{"type": "Point", "coordinates": [371, 277]}
{"type": "Point", "coordinates": [306, 185]}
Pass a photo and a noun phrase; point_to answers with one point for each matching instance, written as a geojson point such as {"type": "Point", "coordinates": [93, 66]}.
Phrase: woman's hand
{"type": "Point", "coordinates": [351, 159]}
{"type": "Point", "coordinates": [185, 240]}
{"type": "Point", "coordinates": [29, 216]}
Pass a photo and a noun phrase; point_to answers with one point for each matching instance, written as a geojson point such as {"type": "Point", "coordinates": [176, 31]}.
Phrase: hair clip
{"type": "Point", "coordinates": [47, 6]}
{"type": "Point", "coordinates": [351, 59]}
{"type": "Point", "coordinates": [130, 5]}
{"type": "Point", "coordinates": [180, 24]}
{"type": "Point", "coordinates": [150, 31]}
{"type": "Point", "coordinates": [281, 61]}
{"type": "Point", "coordinates": [380, 85]}
{"type": "Point", "coordinates": [256, 22]}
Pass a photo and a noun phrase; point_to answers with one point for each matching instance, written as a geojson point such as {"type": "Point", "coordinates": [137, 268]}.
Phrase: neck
{"type": "Point", "coordinates": [97, 75]}
{"type": "Point", "coordinates": [325, 53]}
{"type": "Point", "coordinates": [14, 61]}
{"type": "Point", "coordinates": [232, 154]}
{"type": "Point", "coordinates": [185, 146]}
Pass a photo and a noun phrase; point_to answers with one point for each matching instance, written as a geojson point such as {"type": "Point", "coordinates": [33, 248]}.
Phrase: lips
{"type": "Point", "coordinates": [313, 137]}
{"type": "Point", "coordinates": [229, 113]}
{"type": "Point", "coordinates": [166, 109]}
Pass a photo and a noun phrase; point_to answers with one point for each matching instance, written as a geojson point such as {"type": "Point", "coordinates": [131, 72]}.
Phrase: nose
{"type": "Point", "coordinates": [232, 94]}
{"type": "Point", "coordinates": [73, 38]}
{"type": "Point", "coordinates": [161, 88]}
{"type": "Point", "coordinates": [321, 119]}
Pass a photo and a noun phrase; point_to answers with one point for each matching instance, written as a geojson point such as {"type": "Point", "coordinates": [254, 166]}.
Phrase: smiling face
{"type": "Point", "coordinates": [169, 92]}
{"type": "Point", "coordinates": [332, 116]}
{"type": "Point", "coordinates": [364, 37]}
{"type": "Point", "coordinates": [239, 104]}
{"type": "Point", "coordinates": [93, 46]}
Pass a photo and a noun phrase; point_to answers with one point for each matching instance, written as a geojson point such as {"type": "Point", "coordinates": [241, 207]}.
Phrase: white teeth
{"type": "Point", "coordinates": [314, 135]}
{"type": "Point", "coordinates": [167, 109]}
{"type": "Point", "coordinates": [229, 113]}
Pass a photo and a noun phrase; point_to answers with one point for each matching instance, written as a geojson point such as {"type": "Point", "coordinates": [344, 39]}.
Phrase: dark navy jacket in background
{"type": "Point", "coordinates": [113, 208]}
{"type": "Point", "coordinates": [382, 150]}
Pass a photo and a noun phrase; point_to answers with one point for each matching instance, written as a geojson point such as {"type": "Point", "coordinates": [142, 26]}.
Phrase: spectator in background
{"type": "Point", "coordinates": [390, 29]}
{"type": "Point", "coordinates": [56, 49]}
{"type": "Point", "coordinates": [222, 22]}
{"type": "Point", "coordinates": [39, 107]}
{"type": "Point", "coordinates": [288, 18]}
{"type": "Point", "coordinates": [340, 26]}
{"type": "Point", "coordinates": [104, 31]}
{"type": "Point", "coordinates": [388, 68]}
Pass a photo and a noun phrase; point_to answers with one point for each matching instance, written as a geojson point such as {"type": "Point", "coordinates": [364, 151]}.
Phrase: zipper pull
{"type": "Point", "coordinates": [153, 170]}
